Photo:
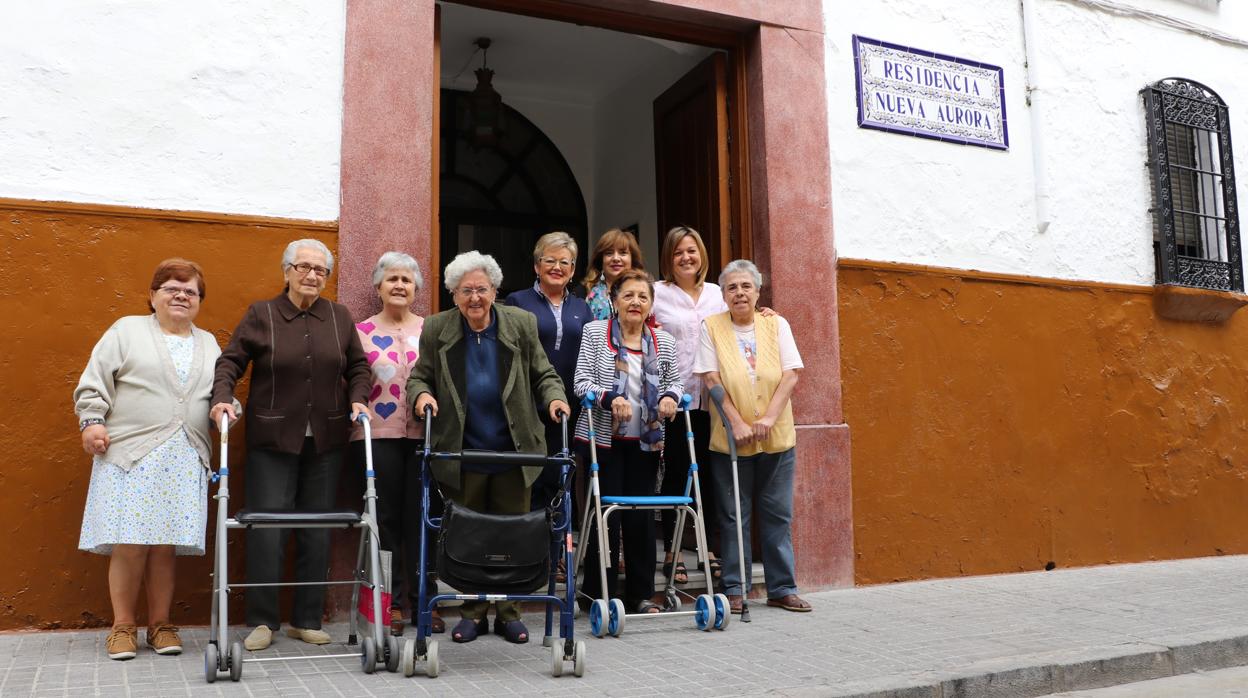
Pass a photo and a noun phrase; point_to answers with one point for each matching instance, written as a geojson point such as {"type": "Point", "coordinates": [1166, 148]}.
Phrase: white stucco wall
{"type": "Point", "coordinates": [906, 199]}
{"type": "Point", "coordinates": [229, 106]}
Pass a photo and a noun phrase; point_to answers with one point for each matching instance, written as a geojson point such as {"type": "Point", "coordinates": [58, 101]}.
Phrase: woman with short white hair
{"type": "Point", "coordinates": [309, 381]}
{"type": "Point", "coordinates": [391, 340]}
{"type": "Point", "coordinates": [753, 356]}
{"type": "Point", "coordinates": [485, 365]}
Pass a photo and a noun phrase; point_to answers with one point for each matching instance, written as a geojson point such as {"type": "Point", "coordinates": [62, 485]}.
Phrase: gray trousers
{"type": "Point", "coordinates": [767, 490]}
{"type": "Point", "coordinates": [304, 482]}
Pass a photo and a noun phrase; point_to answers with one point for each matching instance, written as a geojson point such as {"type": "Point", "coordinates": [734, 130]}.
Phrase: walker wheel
{"type": "Point", "coordinates": [431, 660]}
{"type": "Point", "coordinates": [704, 612]}
{"type": "Point", "coordinates": [599, 618]}
{"type": "Point", "coordinates": [723, 612]}
{"type": "Point", "coordinates": [407, 657]}
{"type": "Point", "coordinates": [578, 659]}
{"type": "Point", "coordinates": [368, 655]}
{"type": "Point", "coordinates": [210, 663]}
{"type": "Point", "coordinates": [616, 624]}
{"type": "Point", "coordinates": [392, 653]}
{"type": "Point", "coordinates": [236, 661]}
{"type": "Point", "coordinates": [672, 600]}
{"type": "Point", "coordinates": [556, 659]}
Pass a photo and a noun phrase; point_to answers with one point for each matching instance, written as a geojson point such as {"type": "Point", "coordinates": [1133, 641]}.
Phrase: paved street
{"type": "Point", "coordinates": [1018, 635]}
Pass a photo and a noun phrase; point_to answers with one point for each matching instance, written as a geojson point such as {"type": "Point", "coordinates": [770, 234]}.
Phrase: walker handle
{"type": "Point", "coordinates": [590, 398]}
{"type": "Point", "coordinates": [717, 396]}
{"type": "Point", "coordinates": [428, 426]}
{"type": "Point", "coordinates": [685, 401]}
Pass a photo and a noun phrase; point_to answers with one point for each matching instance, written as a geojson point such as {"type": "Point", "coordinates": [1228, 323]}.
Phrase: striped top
{"type": "Point", "coordinates": [595, 370]}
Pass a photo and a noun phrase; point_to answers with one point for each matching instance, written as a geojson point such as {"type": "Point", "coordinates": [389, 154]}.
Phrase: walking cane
{"type": "Point", "coordinates": [717, 396]}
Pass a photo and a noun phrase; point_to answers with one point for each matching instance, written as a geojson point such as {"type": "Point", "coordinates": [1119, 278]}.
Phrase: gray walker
{"type": "Point", "coordinates": [606, 616]}
{"type": "Point", "coordinates": [393, 652]}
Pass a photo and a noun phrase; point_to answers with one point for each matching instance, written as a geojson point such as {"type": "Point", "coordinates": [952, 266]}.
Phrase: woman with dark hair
{"type": "Point", "coordinates": [142, 405]}
{"type": "Point", "coordinates": [616, 252]}
{"type": "Point", "coordinates": [309, 382]}
{"type": "Point", "coordinates": [631, 369]}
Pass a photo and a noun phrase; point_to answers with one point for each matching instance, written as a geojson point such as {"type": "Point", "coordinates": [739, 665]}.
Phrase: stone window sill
{"type": "Point", "coordinates": [1196, 304]}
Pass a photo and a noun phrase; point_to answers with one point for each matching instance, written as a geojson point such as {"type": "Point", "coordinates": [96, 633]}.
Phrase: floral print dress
{"type": "Point", "coordinates": [162, 500]}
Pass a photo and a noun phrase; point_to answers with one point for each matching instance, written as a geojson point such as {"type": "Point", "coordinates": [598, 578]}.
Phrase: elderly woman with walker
{"type": "Point", "coordinates": [750, 363]}
{"type": "Point", "coordinates": [309, 377]}
{"type": "Point", "coordinates": [482, 373]}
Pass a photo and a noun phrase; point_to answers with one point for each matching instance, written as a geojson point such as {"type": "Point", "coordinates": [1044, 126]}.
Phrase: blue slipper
{"type": "Point", "coordinates": [466, 629]}
{"type": "Point", "coordinates": [512, 630]}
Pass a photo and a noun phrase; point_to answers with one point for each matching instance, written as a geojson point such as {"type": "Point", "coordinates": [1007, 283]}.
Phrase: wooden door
{"type": "Point", "coordinates": [691, 159]}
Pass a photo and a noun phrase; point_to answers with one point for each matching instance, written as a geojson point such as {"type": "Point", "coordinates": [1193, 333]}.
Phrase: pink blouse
{"type": "Point", "coordinates": [392, 353]}
{"type": "Point", "coordinates": [682, 318]}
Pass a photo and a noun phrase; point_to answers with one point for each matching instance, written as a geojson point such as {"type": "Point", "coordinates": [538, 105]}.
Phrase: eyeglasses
{"type": "Point", "coordinates": [305, 269]}
{"type": "Point", "coordinates": [470, 292]}
{"type": "Point", "coordinates": [175, 291]}
{"type": "Point", "coordinates": [552, 262]}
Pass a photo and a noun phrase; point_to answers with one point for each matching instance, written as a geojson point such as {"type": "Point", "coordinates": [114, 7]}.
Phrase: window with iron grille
{"type": "Point", "coordinates": [1196, 238]}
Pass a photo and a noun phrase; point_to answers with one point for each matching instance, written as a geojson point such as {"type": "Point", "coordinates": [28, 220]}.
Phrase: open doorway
{"type": "Point", "coordinates": [600, 129]}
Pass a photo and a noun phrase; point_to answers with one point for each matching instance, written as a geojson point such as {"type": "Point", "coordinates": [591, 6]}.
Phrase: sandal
{"type": "Point", "coordinates": [648, 606]}
{"type": "Point", "coordinates": [436, 624]}
{"type": "Point", "coordinates": [467, 629]}
{"type": "Point", "coordinates": [511, 630]}
{"type": "Point", "coordinates": [717, 568]}
{"type": "Point", "coordinates": [735, 603]}
{"type": "Point", "coordinates": [790, 602]}
{"type": "Point", "coordinates": [561, 572]}
{"type": "Point", "coordinates": [682, 573]}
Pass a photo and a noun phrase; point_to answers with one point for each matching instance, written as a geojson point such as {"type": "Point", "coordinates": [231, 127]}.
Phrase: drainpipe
{"type": "Point", "coordinates": [1031, 79]}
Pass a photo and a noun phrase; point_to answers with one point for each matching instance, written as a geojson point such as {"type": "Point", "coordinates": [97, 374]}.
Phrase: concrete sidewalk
{"type": "Point", "coordinates": [1009, 635]}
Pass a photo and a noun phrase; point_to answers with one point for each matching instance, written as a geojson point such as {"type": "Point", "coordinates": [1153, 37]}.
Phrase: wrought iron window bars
{"type": "Point", "coordinates": [1190, 160]}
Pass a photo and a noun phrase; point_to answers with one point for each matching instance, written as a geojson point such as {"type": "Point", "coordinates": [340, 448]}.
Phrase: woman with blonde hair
{"type": "Point", "coordinates": [682, 300]}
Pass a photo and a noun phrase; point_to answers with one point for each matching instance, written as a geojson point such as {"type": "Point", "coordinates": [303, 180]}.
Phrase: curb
{"type": "Point", "coordinates": [1041, 675]}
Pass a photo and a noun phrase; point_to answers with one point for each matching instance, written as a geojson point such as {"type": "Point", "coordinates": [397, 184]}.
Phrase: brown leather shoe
{"type": "Point", "coordinates": [122, 642]}
{"type": "Point", "coordinates": [396, 621]}
{"type": "Point", "coordinates": [790, 602]}
{"type": "Point", "coordinates": [163, 638]}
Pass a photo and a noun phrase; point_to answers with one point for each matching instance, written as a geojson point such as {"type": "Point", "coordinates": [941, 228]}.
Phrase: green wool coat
{"type": "Point", "coordinates": [525, 373]}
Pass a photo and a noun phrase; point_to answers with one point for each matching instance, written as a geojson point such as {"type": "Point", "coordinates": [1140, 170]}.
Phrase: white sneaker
{"type": "Point", "coordinates": [312, 637]}
{"type": "Point", "coordinates": [260, 638]}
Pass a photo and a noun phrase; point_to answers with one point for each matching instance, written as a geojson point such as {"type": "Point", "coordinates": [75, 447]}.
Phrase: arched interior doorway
{"type": "Point", "coordinates": [501, 198]}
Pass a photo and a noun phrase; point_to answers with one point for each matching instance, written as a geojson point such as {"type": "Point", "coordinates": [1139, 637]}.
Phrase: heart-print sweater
{"type": "Point", "coordinates": [392, 352]}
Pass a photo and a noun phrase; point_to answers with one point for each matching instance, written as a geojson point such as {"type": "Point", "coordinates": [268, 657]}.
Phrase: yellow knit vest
{"type": "Point", "coordinates": [751, 400]}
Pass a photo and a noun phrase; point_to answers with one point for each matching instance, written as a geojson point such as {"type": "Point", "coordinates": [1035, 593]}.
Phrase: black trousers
{"type": "Point", "coordinates": [397, 464]}
{"type": "Point", "coordinates": [304, 482]}
{"type": "Point", "coordinates": [676, 473]}
{"type": "Point", "coordinates": [625, 470]}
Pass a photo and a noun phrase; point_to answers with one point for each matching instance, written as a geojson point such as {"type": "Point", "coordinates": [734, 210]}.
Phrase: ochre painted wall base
{"type": "Point", "coordinates": [1002, 423]}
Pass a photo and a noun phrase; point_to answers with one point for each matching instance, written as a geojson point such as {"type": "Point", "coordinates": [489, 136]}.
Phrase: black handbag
{"type": "Point", "coordinates": [494, 553]}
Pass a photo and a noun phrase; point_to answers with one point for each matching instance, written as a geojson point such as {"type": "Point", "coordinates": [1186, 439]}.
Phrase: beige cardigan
{"type": "Point", "coordinates": [131, 384]}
